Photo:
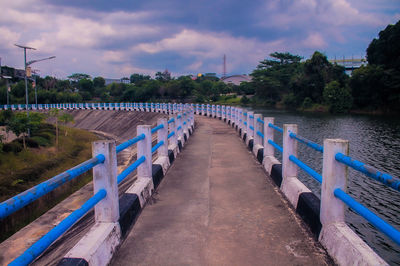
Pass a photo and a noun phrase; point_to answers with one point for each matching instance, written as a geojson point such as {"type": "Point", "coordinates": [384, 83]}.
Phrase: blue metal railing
{"type": "Point", "coordinates": [171, 134]}
{"type": "Point", "coordinates": [17, 202]}
{"type": "Point", "coordinates": [158, 145]}
{"type": "Point", "coordinates": [260, 134]}
{"type": "Point", "coordinates": [260, 121]}
{"type": "Point", "coordinates": [155, 129]}
{"type": "Point", "coordinates": [45, 241]}
{"type": "Point", "coordinates": [179, 128]}
{"type": "Point", "coordinates": [171, 120]}
{"type": "Point", "coordinates": [307, 142]}
{"type": "Point", "coordinates": [275, 127]}
{"type": "Point", "coordinates": [130, 169]}
{"type": "Point", "coordinates": [276, 146]}
{"type": "Point", "coordinates": [370, 171]}
{"type": "Point", "coordinates": [130, 142]}
{"type": "Point", "coordinates": [376, 221]}
{"type": "Point", "coordinates": [251, 127]}
{"type": "Point", "coordinates": [306, 168]}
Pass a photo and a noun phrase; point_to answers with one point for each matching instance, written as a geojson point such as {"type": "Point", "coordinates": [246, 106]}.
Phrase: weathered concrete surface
{"type": "Point", "coordinates": [217, 207]}
{"type": "Point", "coordinates": [117, 125]}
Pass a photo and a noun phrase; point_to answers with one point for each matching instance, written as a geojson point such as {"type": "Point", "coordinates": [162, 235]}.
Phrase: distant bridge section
{"type": "Point", "coordinates": [350, 64]}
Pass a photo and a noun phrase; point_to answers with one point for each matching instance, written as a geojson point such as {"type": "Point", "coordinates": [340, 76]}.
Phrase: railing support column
{"type": "Point", "coordinates": [258, 140]}
{"type": "Point", "coordinates": [289, 169]}
{"type": "Point", "coordinates": [334, 175]}
{"type": "Point", "coordinates": [105, 177]}
{"type": "Point", "coordinates": [162, 135]}
{"type": "Point", "coordinates": [268, 134]}
{"type": "Point", "coordinates": [144, 149]}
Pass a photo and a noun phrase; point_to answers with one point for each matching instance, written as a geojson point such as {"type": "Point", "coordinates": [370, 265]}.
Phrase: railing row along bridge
{"type": "Point", "coordinates": [258, 132]}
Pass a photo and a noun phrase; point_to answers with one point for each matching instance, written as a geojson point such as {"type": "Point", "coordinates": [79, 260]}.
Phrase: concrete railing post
{"type": "Point", "coordinates": [268, 135]}
{"type": "Point", "coordinates": [162, 135]}
{"type": "Point", "coordinates": [144, 149]}
{"type": "Point", "coordinates": [248, 129]}
{"type": "Point", "coordinates": [105, 177]}
{"type": "Point", "coordinates": [289, 169]}
{"type": "Point", "coordinates": [334, 175]}
{"type": "Point", "coordinates": [172, 128]}
{"type": "Point", "coordinates": [179, 132]}
{"type": "Point", "coordinates": [258, 140]}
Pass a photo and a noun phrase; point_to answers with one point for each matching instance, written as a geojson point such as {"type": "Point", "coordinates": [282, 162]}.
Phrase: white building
{"type": "Point", "coordinates": [236, 79]}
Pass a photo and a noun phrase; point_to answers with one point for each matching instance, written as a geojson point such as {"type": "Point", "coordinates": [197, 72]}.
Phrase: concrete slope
{"type": "Point", "coordinates": [217, 207]}
{"type": "Point", "coordinates": [118, 125]}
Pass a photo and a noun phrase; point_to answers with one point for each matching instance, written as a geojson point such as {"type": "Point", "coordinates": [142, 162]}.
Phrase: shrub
{"type": "Point", "coordinates": [14, 147]}
{"type": "Point", "coordinates": [338, 98]}
{"type": "Point", "coordinates": [307, 103]}
{"type": "Point", "coordinates": [42, 141]}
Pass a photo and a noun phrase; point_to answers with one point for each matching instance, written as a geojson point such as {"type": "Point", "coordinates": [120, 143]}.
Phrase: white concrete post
{"type": "Point", "coordinates": [144, 149]}
{"type": "Point", "coordinates": [258, 140]}
{"type": "Point", "coordinates": [162, 135]}
{"type": "Point", "coordinates": [289, 169]}
{"type": "Point", "coordinates": [172, 127]}
{"type": "Point", "coordinates": [334, 175]}
{"type": "Point", "coordinates": [249, 123]}
{"type": "Point", "coordinates": [213, 110]}
{"type": "Point", "coordinates": [179, 124]}
{"type": "Point", "coordinates": [268, 134]}
{"type": "Point", "coordinates": [105, 177]}
{"type": "Point", "coordinates": [185, 126]}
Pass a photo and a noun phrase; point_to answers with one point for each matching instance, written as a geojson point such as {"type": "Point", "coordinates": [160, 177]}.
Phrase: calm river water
{"type": "Point", "coordinates": [374, 140]}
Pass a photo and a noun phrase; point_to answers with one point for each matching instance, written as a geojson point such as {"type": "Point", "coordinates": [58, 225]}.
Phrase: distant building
{"type": "Point", "coordinates": [236, 79]}
{"type": "Point", "coordinates": [110, 81]}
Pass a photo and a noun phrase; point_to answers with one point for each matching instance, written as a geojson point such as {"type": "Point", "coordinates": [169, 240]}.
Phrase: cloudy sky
{"type": "Point", "coordinates": [120, 37]}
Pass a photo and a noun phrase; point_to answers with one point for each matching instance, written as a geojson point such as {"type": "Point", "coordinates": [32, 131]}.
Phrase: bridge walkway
{"type": "Point", "coordinates": [216, 207]}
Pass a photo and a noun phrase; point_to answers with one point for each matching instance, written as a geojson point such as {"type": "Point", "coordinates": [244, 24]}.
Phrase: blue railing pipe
{"type": "Point", "coordinates": [275, 127]}
{"type": "Point", "coordinates": [276, 146]}
{"type": "Point", "coordinates": [307, 142]}
{"type": "Point", "coordinates": [371, 217]}
{"type": "Point", "coordinates": [130, 142]}
{"type": "Point", "coordinates": [155, 129]}
{"type": "Point", "coordinates": [130, 169]}
{"type": "Point", "coordinates": [158, 145]}
{"type": "Point", "coordinates": [45, 241]}
{"type": "Point", "coordinates": [21, 200]}
{"type": "Point", "coordinates": [306, 168]}
{"type": "Point", "coordinates": [369, 171]}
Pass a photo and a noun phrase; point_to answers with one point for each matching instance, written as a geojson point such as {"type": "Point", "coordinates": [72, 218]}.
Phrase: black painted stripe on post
{"type": "Point", "coordinates": [308, 207]}
{"type": "Point", "coordinates": [185, 137]}
{"type": "Point", "coordinates": [240, 131]}
{"type": "Point", "coordinates": [251, 143]}
{"type": "Point", "coordinates": [180, 145]}
{"type": "Point", "coordinates": [260, 155]}
{"type": "Point", "coordinates": [157, 174]}
{"type": "Point", "coordinates": [244, 136]}
{"type": "Point", "coordinates": [276, 174]}
{"type": "Point", "coordinates": [171, 156]}
{"type": "Point", "coordinates": [73, 262]}
{"type": "Point", "coordinates": [129, 210]}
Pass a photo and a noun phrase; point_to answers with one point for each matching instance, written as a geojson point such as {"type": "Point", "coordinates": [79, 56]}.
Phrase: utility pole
{"type": "Point", "coordinates": [224, 73]}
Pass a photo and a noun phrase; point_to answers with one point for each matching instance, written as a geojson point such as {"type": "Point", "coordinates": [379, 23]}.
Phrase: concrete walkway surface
{"type": "Point", "coordinates": [216, 206]}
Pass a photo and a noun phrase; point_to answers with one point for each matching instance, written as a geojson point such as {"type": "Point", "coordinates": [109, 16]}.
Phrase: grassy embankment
{"type": "Point", "coordinates": [22, 170]}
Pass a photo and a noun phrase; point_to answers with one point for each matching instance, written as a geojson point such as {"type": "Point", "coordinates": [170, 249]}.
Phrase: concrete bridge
{"type": "Point", "coordinates": [226, 200]}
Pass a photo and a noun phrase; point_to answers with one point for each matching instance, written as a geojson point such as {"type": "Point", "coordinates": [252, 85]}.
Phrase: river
{"type": "Point", "coordinates": [374, 140]}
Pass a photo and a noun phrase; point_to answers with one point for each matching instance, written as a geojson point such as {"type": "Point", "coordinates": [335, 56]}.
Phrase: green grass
{"type": "Point", "coordinates": [231, 100]}
{"type": "Point", "coordinates": [27, 168]}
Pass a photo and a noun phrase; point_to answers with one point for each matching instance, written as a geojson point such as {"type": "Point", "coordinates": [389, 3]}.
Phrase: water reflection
{"type": "Point", "coordinates": [374, 140]}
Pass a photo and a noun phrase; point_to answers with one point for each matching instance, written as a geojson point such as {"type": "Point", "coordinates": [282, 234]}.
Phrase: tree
{"type": "Point", "coordinates": [20, 124]}
{"type": "Point", "coordinates": [86, 85]}
{"type": "Point", "coordinates": [66, 118]}
{"type": "Point", "coordinates": [273, 77]}
{"type": "Point", "coordinates": [386, 49]}
{"type": "Point", "coordinates": [138, 78]}
{"type": "Point", "coordinates": [338, 98]}
{"type": "Point", "coordinates": [99, 82]}
{"type": "Point", "coordinates": [78, 76]}
{"type": "Point", "coordinates": [163, 76]}
{"type": "Point", "coordinates": [55, 114]}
